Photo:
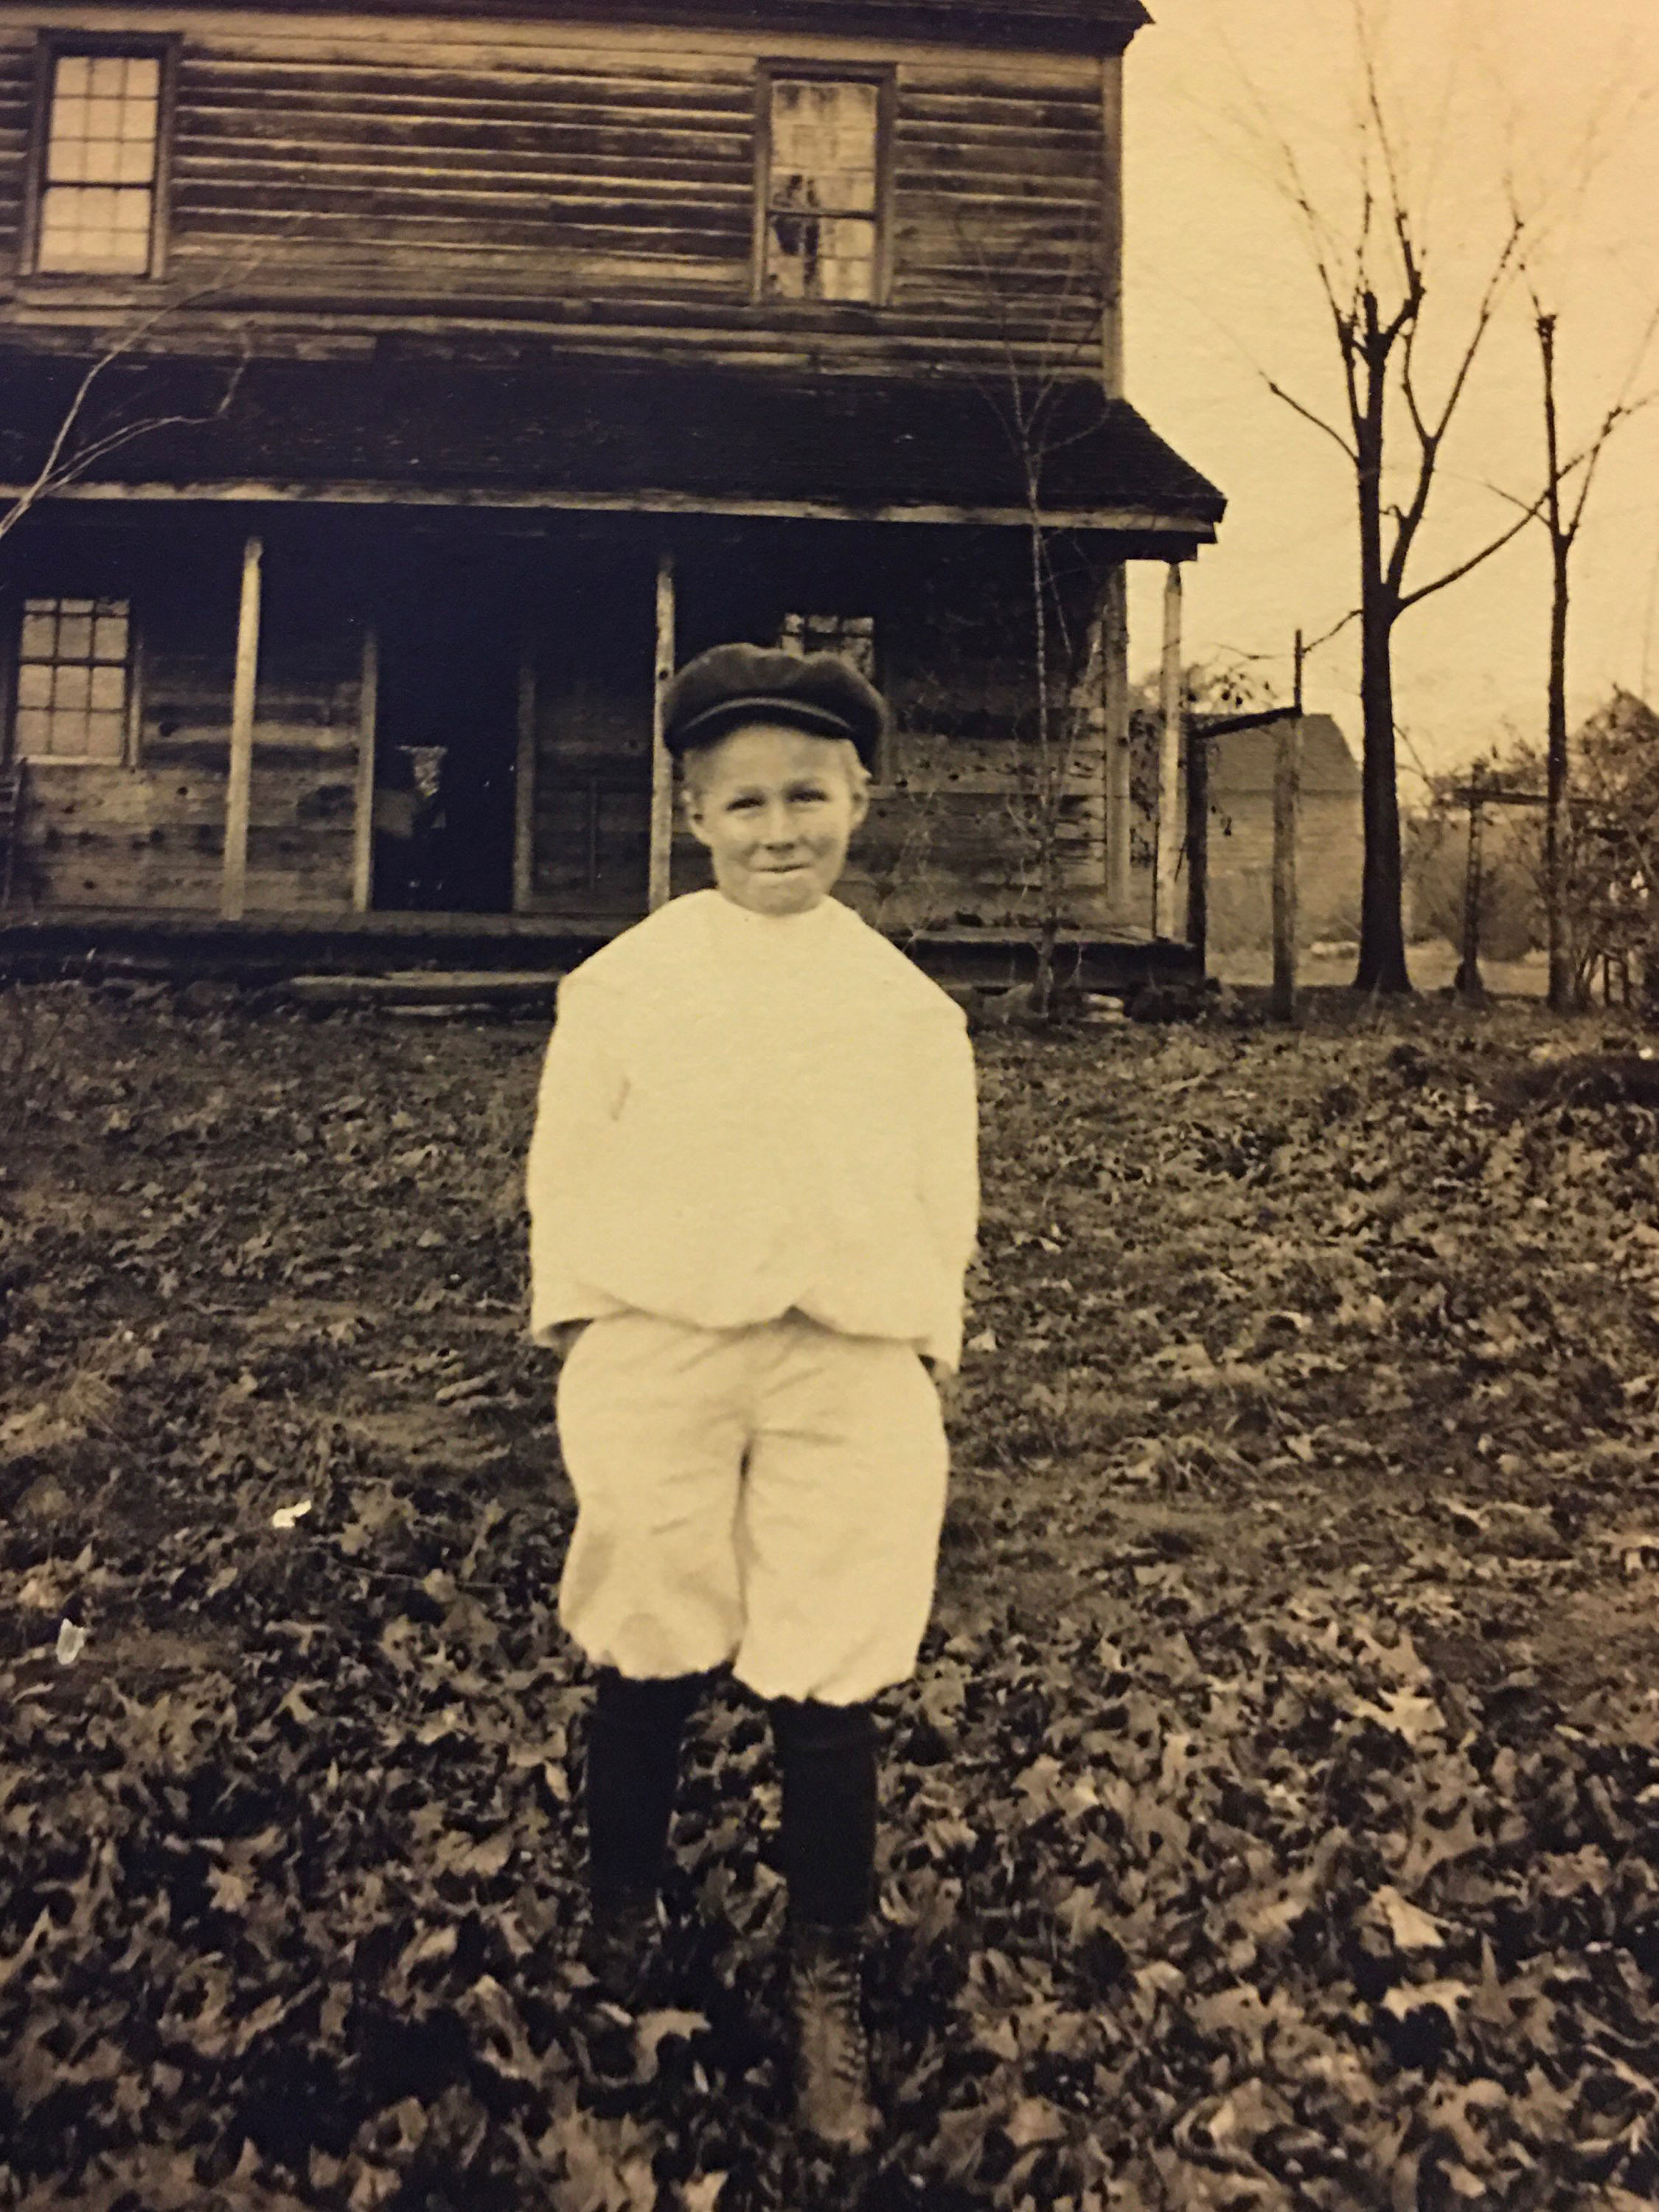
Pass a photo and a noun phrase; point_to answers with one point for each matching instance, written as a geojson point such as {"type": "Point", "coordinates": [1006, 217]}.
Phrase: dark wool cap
{"type": "Point", "coordinates": [730, 684]}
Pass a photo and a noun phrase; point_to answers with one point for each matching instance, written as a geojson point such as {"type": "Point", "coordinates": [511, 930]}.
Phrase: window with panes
{"type": "Point", "coordinates": [851, 636]}
{"type": "Point", "coordinates": [73, 680]}
{"type": "Point", "coordinates": [822, 189]}
{"type": "Point", "coordinates": [99, 164]}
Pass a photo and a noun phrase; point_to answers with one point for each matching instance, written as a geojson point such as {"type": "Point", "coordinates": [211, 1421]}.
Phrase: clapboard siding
{"type": "Point", "coordinates": [997, 203]}
{"type": "Point", "coordinates": [601, 181]}
{"type": "Point", "coordinates": [16, 108]}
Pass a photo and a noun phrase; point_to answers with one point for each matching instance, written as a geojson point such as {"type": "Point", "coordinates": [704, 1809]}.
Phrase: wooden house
{"type": "Point", "coordinates": [391, 395]}
{"type": "Point", "coordinates": [1330, 850]}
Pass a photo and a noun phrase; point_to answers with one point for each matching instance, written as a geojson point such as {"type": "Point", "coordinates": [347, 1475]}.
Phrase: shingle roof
{"type": "Point", "coordinates": [583, 428]}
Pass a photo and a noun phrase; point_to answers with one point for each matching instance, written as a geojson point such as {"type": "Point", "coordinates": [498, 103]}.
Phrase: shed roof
{"type": "Point", "coordinates": [584, 432]}
{"type": "Point", "coordinates": [1242, 761]}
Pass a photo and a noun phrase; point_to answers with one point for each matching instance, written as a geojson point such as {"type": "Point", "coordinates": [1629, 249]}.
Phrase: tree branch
{"type": "Point", "coordinates": [1308, 416]}
{"type": "Point", "coordinates": [1403, 600]}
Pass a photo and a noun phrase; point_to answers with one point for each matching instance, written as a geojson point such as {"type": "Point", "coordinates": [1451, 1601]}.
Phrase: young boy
{"type": "Point", "coordinates": [753, 1177]}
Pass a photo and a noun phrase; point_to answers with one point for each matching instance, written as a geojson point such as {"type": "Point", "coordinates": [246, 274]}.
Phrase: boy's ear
{"type": "Point", "coordinates": [861, 801]}
{"type": "Point", "coordinates": [691, 811]}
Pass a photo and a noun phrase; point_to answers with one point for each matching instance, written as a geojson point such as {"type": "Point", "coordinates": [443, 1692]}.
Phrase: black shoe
{"type": "Point", "coordinates": [833, 2103]}
{"type": "Point", "coordinates": [622, 1948]}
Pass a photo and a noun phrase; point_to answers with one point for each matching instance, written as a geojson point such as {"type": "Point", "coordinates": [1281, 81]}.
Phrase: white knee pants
{"type": "Point", "coordinates": [770, 1496]}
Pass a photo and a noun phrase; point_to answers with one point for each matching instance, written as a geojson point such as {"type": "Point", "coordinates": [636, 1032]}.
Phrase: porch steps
{"type": "Point", "coordinates": [483, 959]}
{"type": "Point", "coordinates": [498, 990]}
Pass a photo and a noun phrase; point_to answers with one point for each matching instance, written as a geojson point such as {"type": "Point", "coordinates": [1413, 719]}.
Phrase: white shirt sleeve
{"type": "Point", "coordinates": [948, 1103]}
{"type": "Point", "coordinates": [582, 1089]}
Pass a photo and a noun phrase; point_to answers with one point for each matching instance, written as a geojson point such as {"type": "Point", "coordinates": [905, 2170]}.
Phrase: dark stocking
{"type": "Point", "coordinates": [828, 1756]}
{"type": "Point", "coordinates": [633, 1765]}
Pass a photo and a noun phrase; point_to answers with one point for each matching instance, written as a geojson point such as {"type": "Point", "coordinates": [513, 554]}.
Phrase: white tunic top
{"type": "Point", "coordinates": [741, 1114]}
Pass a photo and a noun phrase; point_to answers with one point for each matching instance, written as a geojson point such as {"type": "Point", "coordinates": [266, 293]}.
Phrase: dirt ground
{"type": "Point", "coordinates": [1274, 1820]}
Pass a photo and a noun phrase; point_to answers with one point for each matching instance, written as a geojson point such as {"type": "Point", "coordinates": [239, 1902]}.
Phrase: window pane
{"type": "Point", "coordinates": [71, 606]}
{"type": "Point", "coordinates": [848, 265]}
{"type": "Point", "coordinates": [34, 685]}
{"type": "Point", "coordinates": [74, 74]}
{"type": "Point", "coordinates": [100, 159]}
{"type": "Point", "coordinates": [68, 119]}
{"type": "Point", "coordinates": [37, 633]}
{"type": "Point", "coordinates": [109, 689]}
{"type": "Point", "coordinates": [75, 637]}
{"type": "Point", "coordinates": [104, 736]}
{"type": "Point", "coordinates": [33, 731]}
{"type": "Point", "coordinates": [143, 77]}
{"type": "Point", "coordinates": [72, 688]}
{"type": "Point", "coordinates": [785, 263]}
{"type": "Point", "coordinates": [109, 637]}
{"type": "Point", "coordinates": [109, 74]}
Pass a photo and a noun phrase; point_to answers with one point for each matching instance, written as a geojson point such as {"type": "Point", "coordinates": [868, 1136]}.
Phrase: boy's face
{"type": "Point", "coordinates": [775, 808]}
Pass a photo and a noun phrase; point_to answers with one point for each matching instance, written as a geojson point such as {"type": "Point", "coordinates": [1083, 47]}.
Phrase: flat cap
{"type": "Point", "coordinates": [730, 684]}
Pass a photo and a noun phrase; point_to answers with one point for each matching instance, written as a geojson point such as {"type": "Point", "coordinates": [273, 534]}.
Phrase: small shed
{"type": "Point", "coordinates": [1330, 841]}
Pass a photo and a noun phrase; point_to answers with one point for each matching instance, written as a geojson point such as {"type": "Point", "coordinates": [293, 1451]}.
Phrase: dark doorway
{"type": "Point", "coordinates": [447, 735]}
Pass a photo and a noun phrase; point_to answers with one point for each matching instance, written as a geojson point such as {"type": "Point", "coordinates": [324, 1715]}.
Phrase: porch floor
{"type": "Point", "coordinates": [41, 944]}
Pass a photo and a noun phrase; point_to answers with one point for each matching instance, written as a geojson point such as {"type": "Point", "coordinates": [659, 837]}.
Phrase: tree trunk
{"type": "Point", "coordinates": [1555, 788]}
{"type": "Point", "coordinates": [1382, 930]}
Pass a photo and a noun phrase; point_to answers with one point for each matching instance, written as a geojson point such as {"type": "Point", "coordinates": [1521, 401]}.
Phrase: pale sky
{"type": "Point", "coordinates": [1221, 285]}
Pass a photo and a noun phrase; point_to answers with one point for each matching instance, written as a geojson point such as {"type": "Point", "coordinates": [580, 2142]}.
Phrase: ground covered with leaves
{"type": "Point", "coordinates": [1274, 1821]}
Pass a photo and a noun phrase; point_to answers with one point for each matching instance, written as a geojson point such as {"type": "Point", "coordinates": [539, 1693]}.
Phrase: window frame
{"type": "Point", "coordinates": [884, 75]}
{"type": "Point", "coordinates": [51, 48]}
{"type": "Point", "coordinates": [132, 715]}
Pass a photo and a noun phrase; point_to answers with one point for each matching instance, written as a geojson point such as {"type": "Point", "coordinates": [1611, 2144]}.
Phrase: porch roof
{"type": "Point", "coordinates": [582, 433]}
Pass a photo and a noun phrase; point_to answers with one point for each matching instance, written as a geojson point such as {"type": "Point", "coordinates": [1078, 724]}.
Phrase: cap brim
{"type": "Point", "coordinates": [727, 713]}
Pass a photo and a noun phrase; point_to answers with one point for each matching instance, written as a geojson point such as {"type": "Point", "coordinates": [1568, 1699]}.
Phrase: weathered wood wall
{"type": "Point", "coordinates": [953, 833]}
{"type": "Point", "coordinates": [350, 177]}
{"type": "Point", "coordinates": [150, 833]}
{"type": "Point", "coordinates": [593, 638]}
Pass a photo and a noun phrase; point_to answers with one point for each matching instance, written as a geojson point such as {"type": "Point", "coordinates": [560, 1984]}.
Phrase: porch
{"type": "Point", "coordinates": [347, 706]}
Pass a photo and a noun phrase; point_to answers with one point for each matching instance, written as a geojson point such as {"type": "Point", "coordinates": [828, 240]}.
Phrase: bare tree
{"type": "Point", "coordinates": [1375, 275]}
{"type": "Point", "coordinates": [88, 431]}
{"type": "Point", "coordinates": [1563, 516]}
{"type": "Point", "coordinates": [1046, 397]}
{"type": "Point", "coordinates": [76, 444]}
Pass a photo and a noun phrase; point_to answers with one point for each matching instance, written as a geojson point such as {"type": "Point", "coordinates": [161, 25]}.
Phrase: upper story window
{"type": "Point", "coordinates": [73, 680]}
{"type": "Point", "coordinates": [98, 164]}
{"type": "Point", "coordinates": [821, 187]}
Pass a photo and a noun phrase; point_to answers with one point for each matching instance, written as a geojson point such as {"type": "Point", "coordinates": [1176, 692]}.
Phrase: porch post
{"type": "Point", "coordinates": [239, 792]}
{"type": "Point", "coordinates": [662, 767]}
{"type": "Point", "coordinates": [1169, 762]}
{"type": "Point", "coordinates": [362, 819]}
{"type": "Point", "coordinates": [524, 780]}
{"type": "Point", "coordinates": [1114, 646]}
